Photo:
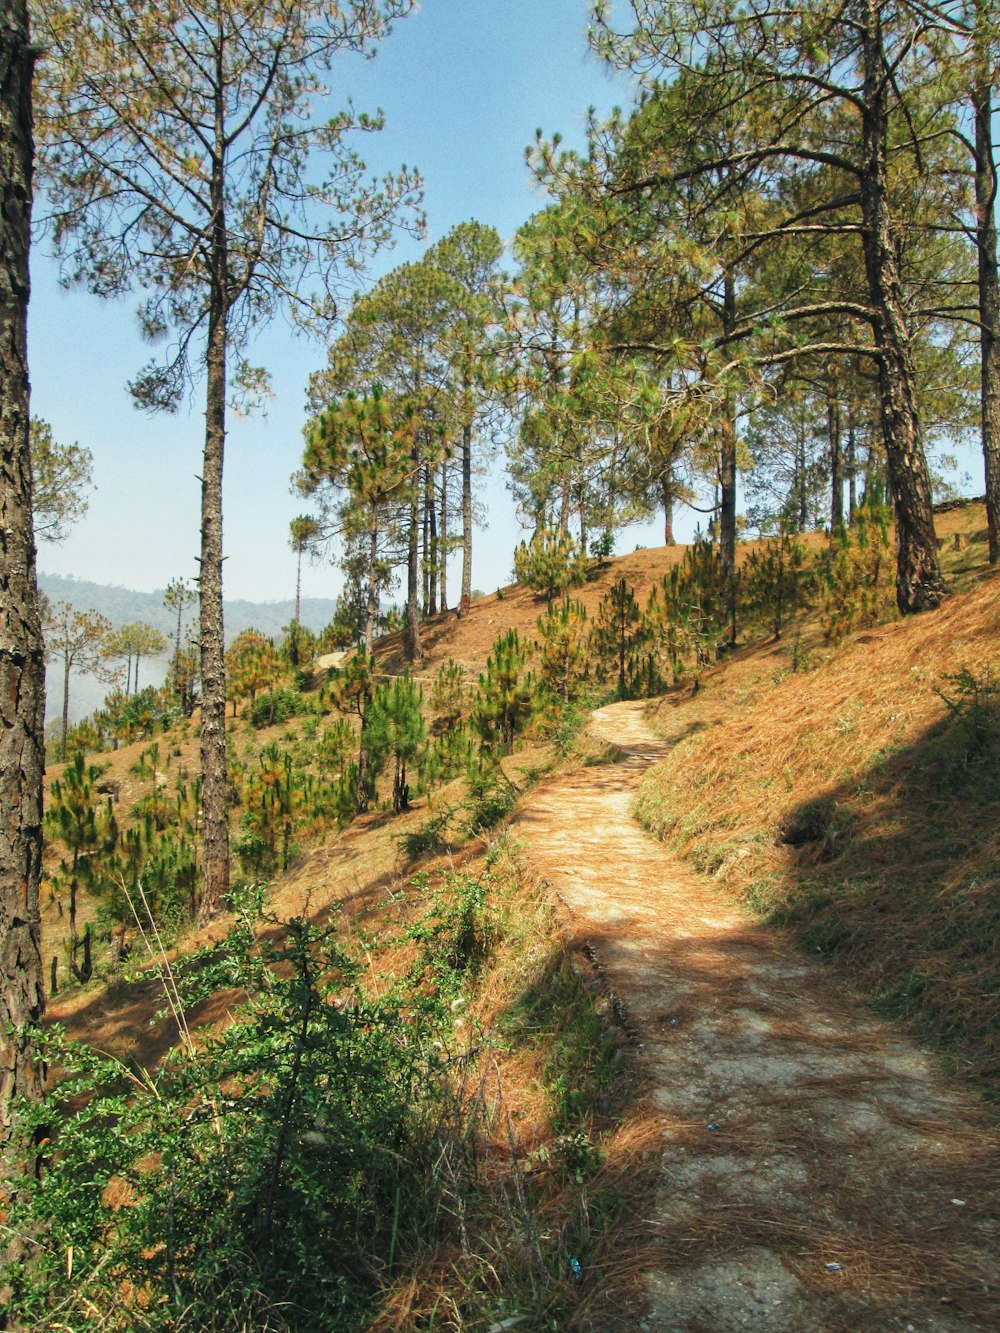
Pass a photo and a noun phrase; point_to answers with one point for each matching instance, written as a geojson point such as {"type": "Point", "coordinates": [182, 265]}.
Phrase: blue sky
{"type": "Point", "coordinates": [464, 85]}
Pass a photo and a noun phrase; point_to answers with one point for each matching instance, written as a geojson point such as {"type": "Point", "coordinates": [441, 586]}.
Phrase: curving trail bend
{"type": "Point", "coordinates": [817, 1175]}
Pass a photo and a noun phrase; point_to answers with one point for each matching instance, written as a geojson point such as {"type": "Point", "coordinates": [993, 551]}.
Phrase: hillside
{"type": "Point", "coordinates": [834, 794]}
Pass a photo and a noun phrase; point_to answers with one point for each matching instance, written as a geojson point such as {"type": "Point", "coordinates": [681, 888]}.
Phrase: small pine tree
{"type": "Point", "coordinates": [551, 564]}
{"type": "Point", "coordinates": [562, 648]}
{"type": "Point", "coordinates": [774, 580]}
{"type": "Point", "coordinates": [503, 704]}
{"type": "Point", "coordinates": [352, 690]}
{"type": "Point", "coordinates": [396, 728]}
{"type": "Point", "coordinates": [856, 574]}
{"type": "Point", "coordinates": [619, 636]}
{"type": "Point", "coordinates": [449, 698]}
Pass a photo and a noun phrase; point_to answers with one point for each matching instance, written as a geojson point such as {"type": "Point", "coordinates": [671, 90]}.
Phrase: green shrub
{"type": "Point", "coordinates": [268, 710]}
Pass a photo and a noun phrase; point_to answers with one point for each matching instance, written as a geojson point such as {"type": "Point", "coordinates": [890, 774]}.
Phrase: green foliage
{"type": "Point", "coordinates": [252, 665]}
{"type": "Point", "coordinates": [396, 729]}
{"type": "Point", "coordinates": [299, 645]}
{"type": "Point", "coordinates": [775, 580]}
{"type": "Point", "coordinates": [61, 475]}
{"type": "Point", "coordinates": [551, 563]}
{"type": "Point", "coordinates": [563, 665]}
{"type": "Point", "coordinates": [456, 934]}
{"type": "Point", "coordinates": [276, 706]}
{"type": "Point", "coordinates": [449, 698]}
{"type": "Point", "coordinates": [856, 577]}
{"type": "Point", "coordinates": [502, 706]}
{"type": "Point", "coordinates": [336, 743]}
{"type": "Point", "coordinates": [492, 796]}
{"type": "Point", "coordinates": [618, 638]}
{"type": "Point", "coordinates": [241, 1185]}
{"type": "Point", "coordinates": [445, 757]}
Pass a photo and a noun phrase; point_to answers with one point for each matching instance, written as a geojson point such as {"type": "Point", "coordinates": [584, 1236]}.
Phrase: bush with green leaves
{"type": "Point", "coordinates": [503, 703]}
{"type": "Point", "coordinates": [266, 1180]}
{"type": "Point", "coordinates": [276, 706]}
{"type": "Point", "coordinates": [449, 698]}
{"type": "Point", "coordinates": [551, 563]}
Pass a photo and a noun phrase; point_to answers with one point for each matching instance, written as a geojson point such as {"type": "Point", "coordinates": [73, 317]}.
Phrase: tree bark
{"type": "Point", "coordinates": [65, 707]}
{"type": "Point", "coordinates": [22, 665]}
{"type": "Point", "coordinates": [432, 554]}
{"type": "Point", "coordinates": [215, 820]}
{"type": "Point", "coordinates": [727, 472]}
{"type": "Point", "coordinates": [443, 537]}
{"type": "Point", "coordinates": [667, 494]}
{"type": "Point", "coordinates": [411, 635]}
{"type": "Point", "coordinates": [919, 583]}
{"type": "Point", "coordinates": [372, 603]}
{"type": "Point", "coordinates": [836, 453]}
{"type": "Point", "coordinates": [989, 284]}
{"type": "Point", "coordinates": [466, 597]}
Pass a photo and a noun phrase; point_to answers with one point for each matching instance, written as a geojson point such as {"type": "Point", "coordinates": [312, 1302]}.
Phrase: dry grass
{"type": "Point", "coordinates": [850, 802]}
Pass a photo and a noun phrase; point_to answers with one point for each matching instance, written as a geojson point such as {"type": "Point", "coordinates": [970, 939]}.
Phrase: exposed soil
{"type": "Point", "coordinates": [817, 1172]}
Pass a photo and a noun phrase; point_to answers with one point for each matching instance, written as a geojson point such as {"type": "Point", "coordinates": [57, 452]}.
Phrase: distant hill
{"type": "Point", "coordinates": [124, 606]}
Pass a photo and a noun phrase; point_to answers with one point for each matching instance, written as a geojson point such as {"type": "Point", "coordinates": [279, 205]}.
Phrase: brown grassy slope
{"type": "Point", "coordinates": [852, 803]}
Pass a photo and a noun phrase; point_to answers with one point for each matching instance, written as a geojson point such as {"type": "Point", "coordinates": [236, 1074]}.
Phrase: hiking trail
{"type": "Point", "coordinates": [818, 1174]}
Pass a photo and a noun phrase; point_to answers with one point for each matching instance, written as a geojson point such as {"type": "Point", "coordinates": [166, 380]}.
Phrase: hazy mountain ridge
{"type": "Point", "coordinates": [124, 606]}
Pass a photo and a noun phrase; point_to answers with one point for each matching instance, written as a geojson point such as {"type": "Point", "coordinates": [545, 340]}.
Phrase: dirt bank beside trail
{"type": "Point", "coordinates": [818, 1175]}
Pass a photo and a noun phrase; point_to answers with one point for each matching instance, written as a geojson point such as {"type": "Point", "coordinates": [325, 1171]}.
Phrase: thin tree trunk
{"type": "Point", "coordinates": [215, 822]}
{"type": "Point", "coordinates": [836, 454]}
{"type": "Point", "coordinates": [444, 534]}
{"type": "Point", "coordinates": [425, 567]}
{"type": "Point", "coordinates": [298, 585]}
{"type": "Point", "coordinates": [433, 554]}
{"type": "Point", "coordinates": [65, 707]}
{"type": "Point", "coordinates": [371, 605]}
{"type": "Point", "coordinates": [852, 464]}
{"type": "Point", "coordinates": [667, 495]}
{"type": "Point", "coordinates": [466, 596]}
{"type": "Point", "coordinates": [411, 635]}
{"type": "Point", "coordinates": [919, 583]}
{"type": "Point", "coordinates": [727, 473]}
{"type": "Point", "coordinates": [22, 666]}
{"type": "Point", "coordinates": [989, 284]}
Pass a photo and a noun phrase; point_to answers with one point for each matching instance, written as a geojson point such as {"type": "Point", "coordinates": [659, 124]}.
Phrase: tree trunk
{"type": "Point", "coordinates": [667, 494]}
{"type": "Point", "coordinates": [425, 566]}
{"type": "Point", "coordinates": [727, 473]}
{"type": "Point", "coordinates": [852, 465]}
{"type": "Point", "coordinates": [919, 584]}
{"type": "Point", "coordinates": [989, 284]}
{"type": "Point", "coordinates": [444, 534]}
{"type": "Point", "coordinates": [836, 455]}
{"type": "Point", "coordinates": [65, 707]}
{"type": "Point", "coordinates": [22, 665]}
{"type": "Point", "coordinates": [466, 597]}
{"type": "Point", "coordinates": [411, 635]}
{"type": "Point", "coordinates": [433, 542]}
{"type": "Point", "coordinates": [215, 822]}
{"type": "Point", "coordinates": [371, 605]}
{"type": "Point", "coordinates": [298, 585]}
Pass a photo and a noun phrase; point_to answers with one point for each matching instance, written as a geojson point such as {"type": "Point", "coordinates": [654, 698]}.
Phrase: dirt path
{"type": "Point", "coordinates": [817, 1176]}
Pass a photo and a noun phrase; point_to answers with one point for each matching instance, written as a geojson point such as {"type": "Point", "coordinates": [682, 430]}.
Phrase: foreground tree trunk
{"type": "Point", "coordinates": [727, 472]}
{"type": "Point", "coordinates": [215, 820]}
{"type": "Point", "coordinates": [22, 668]}
{"type": "Point", "coordinates": [919, 583]}
{"type": "Point", "coordinates": [989, 284]}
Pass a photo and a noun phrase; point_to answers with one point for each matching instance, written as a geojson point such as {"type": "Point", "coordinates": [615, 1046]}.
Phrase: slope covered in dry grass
{"type": "Point", "coordinates": [855, 801]}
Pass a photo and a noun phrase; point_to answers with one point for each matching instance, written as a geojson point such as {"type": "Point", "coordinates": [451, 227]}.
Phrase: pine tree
{"type": "Point", "coordinates": [396, 729]}
{"type": "Point", "coordinates": [503, 703]}
{"type": "Point", "coordinates": [619, 636]}
{"type": "Point", "coordinates": [562, 644]}
{"type": "Point", "coordinates": [550, 563]}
